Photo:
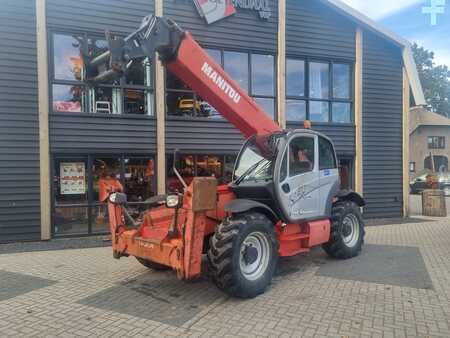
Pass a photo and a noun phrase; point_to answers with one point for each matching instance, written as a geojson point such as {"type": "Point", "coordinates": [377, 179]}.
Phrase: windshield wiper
{"type": "Point", "coordinates": [248, 171]}
{"type": "Point", "coordinates": [264, 167]}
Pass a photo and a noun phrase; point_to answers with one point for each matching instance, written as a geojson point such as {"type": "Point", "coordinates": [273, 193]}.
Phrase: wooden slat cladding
{"type": "Point", "coordinates": [313, 29]}
{"type": "Point", "coordinates": [19, 128]}
{"type": "Point", "coordinates": [243, 30]}
{"type": "Point", "coordinates": [382, 127]}
{"type": "Point", "coordinates": [96, 133]}
{"type": "Point", "coordinates": [118, 16]}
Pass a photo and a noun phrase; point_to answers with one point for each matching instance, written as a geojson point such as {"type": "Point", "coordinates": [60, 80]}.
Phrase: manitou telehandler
{"type": "Point", "coordinates": [284, 197]}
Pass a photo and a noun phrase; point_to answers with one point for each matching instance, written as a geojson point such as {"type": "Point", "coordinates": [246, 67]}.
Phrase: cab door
{"type": "Point", "coordinates": [298, 186]}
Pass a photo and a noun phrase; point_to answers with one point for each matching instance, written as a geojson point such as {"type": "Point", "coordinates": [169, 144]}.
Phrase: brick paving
{"type": "Point", "coordinates": [399, 287]}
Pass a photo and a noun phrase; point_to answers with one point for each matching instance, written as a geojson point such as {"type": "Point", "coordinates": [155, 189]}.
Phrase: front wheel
{"type": "Point", "coordinates": [243, 254]}
{"type": "Point", "coordinates": [347, 231]}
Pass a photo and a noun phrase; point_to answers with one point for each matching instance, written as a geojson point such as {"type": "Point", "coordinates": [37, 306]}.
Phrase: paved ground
{"type": "Point", "coordinates": [399, 286]}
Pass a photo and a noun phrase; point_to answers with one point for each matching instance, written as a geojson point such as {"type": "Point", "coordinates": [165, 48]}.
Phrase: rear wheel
{"type": "Point", "coordinates": [152, 265]}
{"type": "Point", "coordinates": [243, 254]}
{"type": "Point", "coordinates": [347, 231]}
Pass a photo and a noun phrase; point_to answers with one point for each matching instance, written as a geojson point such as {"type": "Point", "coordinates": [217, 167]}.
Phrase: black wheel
{"type": "Point", "coordinates": [152, 265]}
{"type": "Point", "coordinates": [243, 254]}
{"type": "Point", "coordinates": [347, 231]}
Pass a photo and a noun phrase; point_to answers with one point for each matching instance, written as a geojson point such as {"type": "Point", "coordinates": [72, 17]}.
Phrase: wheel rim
{"type": "Point", "coordinates": [254, 255]}
{"type": "Point", "coordinates": [350, 230]}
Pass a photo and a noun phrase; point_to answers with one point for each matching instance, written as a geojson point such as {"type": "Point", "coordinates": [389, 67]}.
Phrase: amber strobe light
{"type": "Point", "coordinates": [307, 124]}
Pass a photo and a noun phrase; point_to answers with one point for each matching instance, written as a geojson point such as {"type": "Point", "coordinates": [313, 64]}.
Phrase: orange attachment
{"type": "Point", "coordinates": [180, 249]}
{"type": "Point", "coordinates": [297, 238]}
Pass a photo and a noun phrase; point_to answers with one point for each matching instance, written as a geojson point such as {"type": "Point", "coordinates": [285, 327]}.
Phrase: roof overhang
{"type": "Point", "coordinates": [408, 59]}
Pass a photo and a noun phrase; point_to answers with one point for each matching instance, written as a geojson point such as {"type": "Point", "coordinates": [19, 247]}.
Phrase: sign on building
{"type": "Point", "coordinates": [72, 178]}
{"type": "Point", "coordinates": [215, 10]}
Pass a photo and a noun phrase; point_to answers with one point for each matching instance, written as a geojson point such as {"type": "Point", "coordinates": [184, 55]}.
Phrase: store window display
{"type": "Point", "coordinates": [81, 187]}
{"type": "Point", "coordinates": [70, 189]}
{"type": "Point", "coordinates": [73, 92]}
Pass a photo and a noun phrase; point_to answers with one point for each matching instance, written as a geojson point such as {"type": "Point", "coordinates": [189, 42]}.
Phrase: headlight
{"type": "Point", "coordinates": [172, 201]}
{"type": "Point", "coordinates": [113, 198]}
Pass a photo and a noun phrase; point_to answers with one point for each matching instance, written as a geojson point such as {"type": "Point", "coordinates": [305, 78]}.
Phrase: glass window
{"type": "Point", "coordinates": [327, 159]}
{"type": "Point", "coordinates": [182, 103]}
{"type": "Point", "coordinates": [186, 167]}
{"type": "Point", "coordinates": [295, 77]}
{"type": "Point", "coordinates": [131, 93]}
{"type": "Point", "coordinates": [319, 80]}
{"type": "Point", "coordinates": [283, 169]}
{"type": "Point", "coordinates": [263, 75]}
{"type": "Point", "coordinates": [70, 181]}
{"type": "Point", "coordinates": [230, 160]}
{"type": "Point", "coordinates": [209, 166]}
{"type": "Point", "coordinates": [67, 59]}
{"type": "Point", "coordinates": [216, 55]}
{"type": "Point", "coordinates": [295, 110]}
{"type": "Point", "coordinates": [318, 101]}
{"type": "Point", "coordinates": [135, 101]}
{"type": "Point", "coordinates": [436, 142]}
{"type": "Point", "coordinates": [318, 111]}
{"type": "Point", "coordinates": [236, 65]}
{"type": "Point", "coordinates": [106, 100]}
{"type": "Point", "coordinates": [301, 158]}
{"type": "Point", "coordinates": [71, 220]}
{"type": "Point", "coordinates": [79, 191]}
{"type": "Point", "coordinates": [70, 215]}
{"type": "Point", "coordinates": [268, 105]}
{"type": "Point", "coordinates": [341, 81]}
{"type": "Point", "coordinates": [139, 178]}
{"type": "Point", "coordinates": [341, 112]}
{"type": "Point", "coordinates": [139, 74]}
{"type": "Point", "coordinates": [68, 98]}
{"type": "Point", "coordinates": [106, 175]}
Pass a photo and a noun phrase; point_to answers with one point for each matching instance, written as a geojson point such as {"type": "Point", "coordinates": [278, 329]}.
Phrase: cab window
{"type": "Point", "coordinates": [327, 159]}
{"type": "Point", "coordinates": [301, 156]}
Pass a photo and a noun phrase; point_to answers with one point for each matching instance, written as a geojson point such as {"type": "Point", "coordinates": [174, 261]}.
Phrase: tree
{"type": "Point", "coordinates": [435, 80]}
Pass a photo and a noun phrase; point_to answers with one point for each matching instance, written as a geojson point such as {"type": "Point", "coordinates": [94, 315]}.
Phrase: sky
{"type": "Point", "coordinates": [405, 18]}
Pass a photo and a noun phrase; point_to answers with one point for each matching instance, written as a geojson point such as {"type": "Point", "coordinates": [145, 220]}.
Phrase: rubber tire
{"type": "Point", "coordinates": [152, 265]}
{"type": "Point", "coordinates": [224, 254]}
{"type": "Point", "coordinates": [336, 247]}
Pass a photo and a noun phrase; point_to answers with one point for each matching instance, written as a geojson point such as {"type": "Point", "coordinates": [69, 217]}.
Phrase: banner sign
{"type": "Point", "coordinates": [72, 178]}
{"type": "Point", "coordinates": [215, 10]}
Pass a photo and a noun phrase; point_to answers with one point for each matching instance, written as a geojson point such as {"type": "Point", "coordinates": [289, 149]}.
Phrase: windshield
{"type": "Point", "coordinates": [252, 164]}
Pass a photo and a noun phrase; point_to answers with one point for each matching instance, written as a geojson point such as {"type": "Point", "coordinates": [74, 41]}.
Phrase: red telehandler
{"type": "Point", "coordinates": [285, 194]}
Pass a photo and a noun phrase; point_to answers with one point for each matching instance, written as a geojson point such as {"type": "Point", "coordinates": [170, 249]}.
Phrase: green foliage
{"type": "Point", "coordinates": [435, 80]}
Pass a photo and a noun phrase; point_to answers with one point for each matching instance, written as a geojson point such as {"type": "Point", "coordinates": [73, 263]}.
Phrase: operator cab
{"type": "Point", "coordinates": [290, 172]}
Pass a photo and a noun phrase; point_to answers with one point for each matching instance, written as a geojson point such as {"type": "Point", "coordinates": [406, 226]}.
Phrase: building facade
{"type": "Point", "coordinates": [299, 59]}
{"type": "Point", "coordinates": [428, 142]}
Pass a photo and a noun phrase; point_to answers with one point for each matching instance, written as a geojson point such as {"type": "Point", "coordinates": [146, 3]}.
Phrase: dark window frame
{"type": "Point", "coordinates": [331, 99]}
{"type": "Point", "coordinates": [250, 89]}
{"type": "Point", "coordinates": [122, 85]}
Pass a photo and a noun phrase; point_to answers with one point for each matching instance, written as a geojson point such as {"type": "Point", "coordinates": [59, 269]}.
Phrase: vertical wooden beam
{"type": "Point", "coordinates": [406, 107]}
{"type": "Point", "coordinates": [358, 112]}
{"type": "Point", "coordinates": [160, 115]}
{"type": "Point", "coordinates": [281, 64]}
{"type": "Point", "coordinates": [43, 108]}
